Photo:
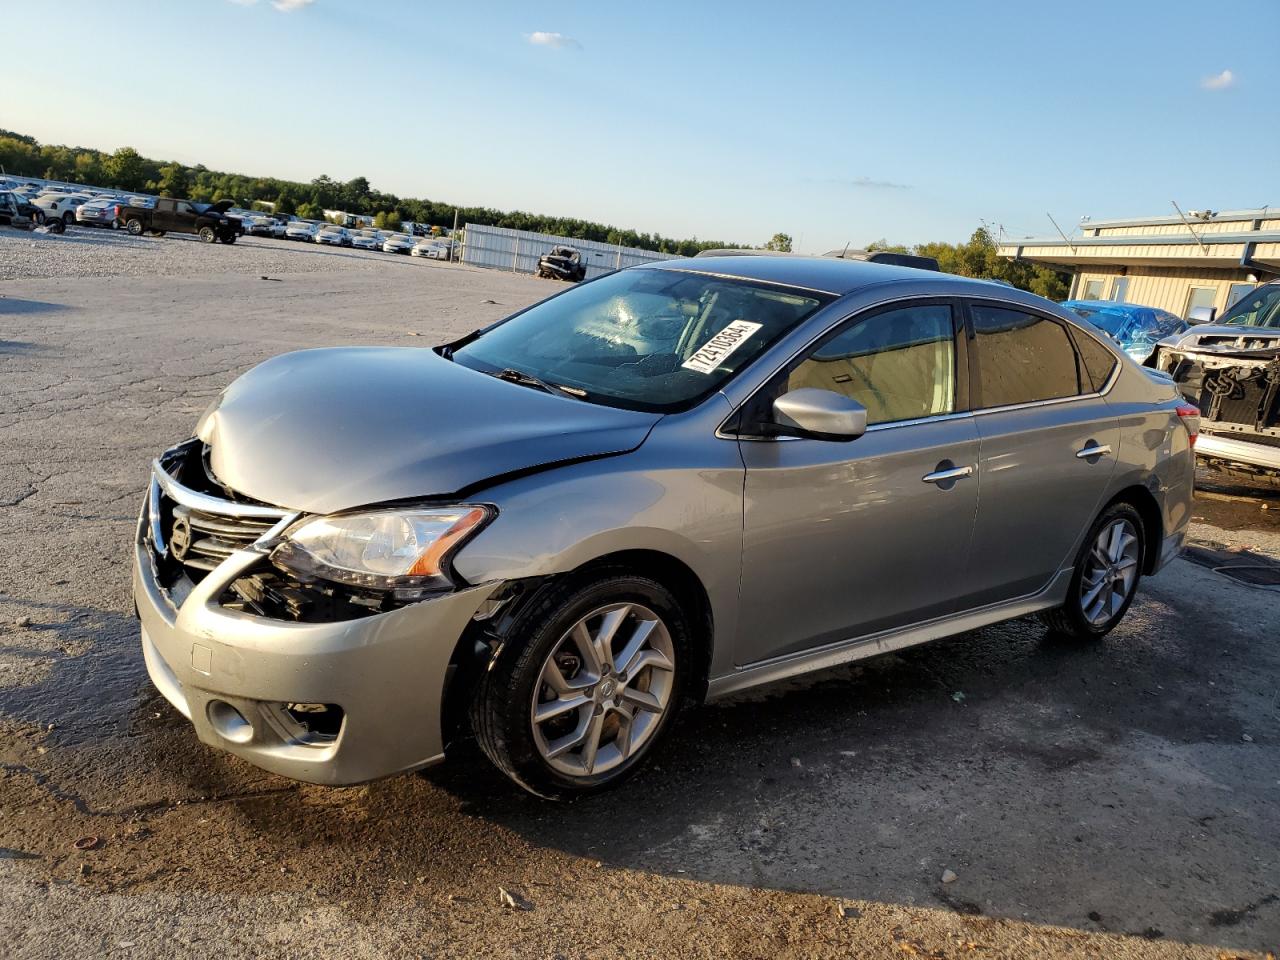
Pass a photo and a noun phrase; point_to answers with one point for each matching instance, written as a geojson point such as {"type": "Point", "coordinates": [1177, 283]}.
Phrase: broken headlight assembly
{"type": "Point", "coordinates": [402, 552]}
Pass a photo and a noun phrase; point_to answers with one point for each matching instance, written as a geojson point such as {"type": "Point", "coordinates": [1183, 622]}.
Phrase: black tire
{"type": "Point", "coordinates": [1070, 620]}
{"type": "Point", "coordinates": [500, 709]}
{"type": "Point", "coordinates": [157, 233]}
{"type": "Point", "coordinates": [55, 225]}
{"type": "Point", "coordinates": [68, 218]}
{"type": "Point", "coordinates": [207, 235]}
{"type": "Point", "coordinates": [134, 226]}
{"type": "Point", "coordinates": [228, 238]}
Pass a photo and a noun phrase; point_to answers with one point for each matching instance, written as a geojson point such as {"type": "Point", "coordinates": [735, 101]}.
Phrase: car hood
{"type": "Point", "coordinates": [326, 430]}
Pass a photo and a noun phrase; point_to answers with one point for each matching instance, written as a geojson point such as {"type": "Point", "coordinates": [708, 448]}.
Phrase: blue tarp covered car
{"type": "Point", "coordinates": [1136, 328]}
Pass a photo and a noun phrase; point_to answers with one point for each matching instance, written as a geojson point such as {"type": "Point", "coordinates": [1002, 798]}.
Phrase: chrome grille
{"type": "Point", "coordinates": [203, 540]}
{"type": "Point", "coordinates": [195, 529]}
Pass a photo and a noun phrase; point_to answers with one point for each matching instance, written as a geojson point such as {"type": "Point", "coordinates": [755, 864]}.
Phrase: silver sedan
{"type": "Point", "coordinates": [668, 484]}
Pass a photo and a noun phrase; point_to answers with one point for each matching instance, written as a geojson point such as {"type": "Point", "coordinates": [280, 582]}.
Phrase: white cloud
{"type": "Point", "coordinates": [1219, 81]}
{"type": "Point", "coordinates": [284, 6]}
{"type": "Point", "coordinates": [542, 38]}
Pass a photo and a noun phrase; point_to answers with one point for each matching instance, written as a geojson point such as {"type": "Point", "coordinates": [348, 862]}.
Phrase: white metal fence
{"type": "Point", "coordinates": [506, 249]}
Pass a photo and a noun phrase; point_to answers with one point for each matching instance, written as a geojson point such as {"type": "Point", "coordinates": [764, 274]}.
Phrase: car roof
{"type": "Point", "coordinates": [824, 274]}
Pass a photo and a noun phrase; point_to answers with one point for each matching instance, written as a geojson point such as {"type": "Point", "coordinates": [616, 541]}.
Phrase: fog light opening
{"type": "Point", "coordinates": [229, 722]}
{"type": "Point", "coordinates": [321, 722]}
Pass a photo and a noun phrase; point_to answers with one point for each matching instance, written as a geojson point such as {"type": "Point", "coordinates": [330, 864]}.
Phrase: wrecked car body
{"type": "Point", "coordinates": [672, 483]}
{"type": "Point", "coordinates": [1230, 369]}
{"type": "Point", "coordinates": [562, 263]}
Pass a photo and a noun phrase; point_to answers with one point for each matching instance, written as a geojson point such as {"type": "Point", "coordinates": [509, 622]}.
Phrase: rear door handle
{"type": "Point", "coordinates": [1093, 450]}
{"type": "Point", "coordinates": [948, 476]}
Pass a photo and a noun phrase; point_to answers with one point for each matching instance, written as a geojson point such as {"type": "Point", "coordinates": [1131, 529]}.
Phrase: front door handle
{"type": "Point", "coordinates": [945, 476]}
{"type": "Point", "coordinates": [1092, 450]}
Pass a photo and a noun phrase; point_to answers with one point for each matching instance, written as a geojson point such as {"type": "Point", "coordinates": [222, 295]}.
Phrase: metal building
{"type": "Point", "coordinates": [1205, 260]}
{"type": "Point", "coordinates": [505, 249]}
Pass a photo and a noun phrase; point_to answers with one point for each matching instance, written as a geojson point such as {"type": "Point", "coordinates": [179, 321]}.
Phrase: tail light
{"type": "Point", "coordinates": [1189, 414]}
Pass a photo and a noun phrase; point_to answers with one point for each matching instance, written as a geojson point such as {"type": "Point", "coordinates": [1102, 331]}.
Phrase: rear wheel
{"type": "Point", "coordinates": [55, 225]}
{"type": "Point", "coordinates": [68, 218]}
{"type": "Point", "coordinates": [588, 683]}
{"type": "Point", "coordinates": [228, 238]}
{"type": "Point", "coordinates": [207, 234]}
{"type": "Point", "coordinates": [157, 233]}
{"type": "Point", "coordinates": [1106, 576]}
{"type": "Point", "coordinates": [134, 226]}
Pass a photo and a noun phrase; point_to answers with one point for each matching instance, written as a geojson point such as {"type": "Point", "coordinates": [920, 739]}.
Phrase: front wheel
{"type": "Point", "coordinates": [588, 681]}
{"type": "Point", "coordinates": [1106, 577]}
{"type": "Point", "coordinates": [207, 235]}
{"type": "Point", "coordinates": [68, 218]}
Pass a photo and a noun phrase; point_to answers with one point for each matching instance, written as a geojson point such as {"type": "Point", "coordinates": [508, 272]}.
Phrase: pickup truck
{"type": "Point", "coordinates": [209, 222]}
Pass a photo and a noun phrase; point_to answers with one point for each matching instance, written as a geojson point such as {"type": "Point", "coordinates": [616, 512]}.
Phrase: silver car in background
{"type": "Point", "coordinates": [671, 483]}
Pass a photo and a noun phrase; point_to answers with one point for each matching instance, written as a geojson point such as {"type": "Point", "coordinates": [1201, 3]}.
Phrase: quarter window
{"type": "Point", "coordinates": [900, 364]}
{"type": "Point", "coordinates": [1097, 360]}
{"type": "Point", "coordinates": [1120, 289]}
{"type": "Point", "coordinates": [1022, 357]}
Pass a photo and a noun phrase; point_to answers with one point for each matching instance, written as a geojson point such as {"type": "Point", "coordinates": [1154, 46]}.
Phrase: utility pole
{"type": "Point", "coordinates": [453, 238]}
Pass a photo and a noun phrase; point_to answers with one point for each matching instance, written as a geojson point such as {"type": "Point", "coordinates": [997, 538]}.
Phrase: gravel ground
{"type": "Point", "coordinates": [1115, 800]}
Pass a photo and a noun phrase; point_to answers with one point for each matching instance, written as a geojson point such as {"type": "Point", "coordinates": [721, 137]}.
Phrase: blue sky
{"type": "Point", "coordinates": [833, 122]}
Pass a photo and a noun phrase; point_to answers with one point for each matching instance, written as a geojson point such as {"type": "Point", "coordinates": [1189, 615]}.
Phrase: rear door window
{"type": "Point", "coordinates": [1022, 357]}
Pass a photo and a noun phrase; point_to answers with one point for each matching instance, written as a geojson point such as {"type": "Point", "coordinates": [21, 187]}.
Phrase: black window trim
{"type": "Point", "coordinates": [731, 428]}
{"type": "Point", "coordinates": [1072, 330]}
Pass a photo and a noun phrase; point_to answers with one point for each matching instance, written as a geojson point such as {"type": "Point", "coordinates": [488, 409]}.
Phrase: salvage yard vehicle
{"type": "Point", "coordinates": [209, 222]}
{"type": "Point", "coordinates": [103, 212]}
{"type": "Point", "coordinates": [1230, 368]}
{"type": "Point", "coordinates": [333, 235]}
{"type": "Point", "coordinates": [671, 483]}
{"type": "Point", "coordinates": [431, 248]}
{"type": "Point", "coordinates": [398, 243]}
{"type": "Point", "coordinates": [562, 263]}
{"type": "Point", "coordinates": [302, 230]}
{"type": "Point", "coordinates": [1136, 328]}
{"type": "Point", "coordinates": [17, 211]}
{"type": "Point", "coordinates": [60, 206]}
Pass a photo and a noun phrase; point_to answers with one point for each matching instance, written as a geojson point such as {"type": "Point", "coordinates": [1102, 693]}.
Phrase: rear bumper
{"type": "Point", "coordinates": [1214, 446]}
{"type": "Point", "coordinates": [387, 672]}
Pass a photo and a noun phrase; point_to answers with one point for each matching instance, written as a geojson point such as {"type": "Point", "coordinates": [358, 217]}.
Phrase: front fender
{"type": "Point", "coordinates": [680, 495]}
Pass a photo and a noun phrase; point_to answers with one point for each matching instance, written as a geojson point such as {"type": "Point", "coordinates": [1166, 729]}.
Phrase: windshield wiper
{"type": "Point", "coordinates": [511, 375]}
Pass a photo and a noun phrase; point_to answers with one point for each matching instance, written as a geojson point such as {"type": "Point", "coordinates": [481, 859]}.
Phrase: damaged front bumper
{"type": "Point", "coordinates": [336, 702]}
{"type": "Point", "coordinates": [1236, 385]}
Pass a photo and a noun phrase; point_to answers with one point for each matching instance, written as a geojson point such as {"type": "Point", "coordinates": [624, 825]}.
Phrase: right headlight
{"type": "Point", "coordinates": [406, 551]}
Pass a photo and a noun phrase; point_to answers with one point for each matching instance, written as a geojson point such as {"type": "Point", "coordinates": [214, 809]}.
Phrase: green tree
{"type": "Point", "coordinates": [172, 182]}
{"type": "Point", "coordinates": [309, 211]}
{"type": "Point", "coordinates": [393, 221]}
{"type": "Point", "coordinates": [779, 243]}
{"type": "Point", "coordinates": [126, 169]}
{"type": "Point", "coordinates": [285, 203]}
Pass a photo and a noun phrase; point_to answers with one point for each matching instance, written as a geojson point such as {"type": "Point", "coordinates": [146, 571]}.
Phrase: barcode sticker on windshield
{"type": "Point", "coordinates": [716, 350]}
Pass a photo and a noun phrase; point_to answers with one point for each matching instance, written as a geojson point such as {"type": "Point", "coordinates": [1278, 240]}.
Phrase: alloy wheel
{"type": "Point", "coordinates": [603, 690]}
{"type": "Point", "coordinates": [1111, 571]}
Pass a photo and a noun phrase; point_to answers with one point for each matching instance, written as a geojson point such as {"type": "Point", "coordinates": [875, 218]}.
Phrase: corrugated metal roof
{"type": "Point", "coordinates": [1259, 213]}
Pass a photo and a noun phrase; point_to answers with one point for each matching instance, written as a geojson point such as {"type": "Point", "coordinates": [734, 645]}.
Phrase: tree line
{"type": "Point", "coordinates": [127, 170]}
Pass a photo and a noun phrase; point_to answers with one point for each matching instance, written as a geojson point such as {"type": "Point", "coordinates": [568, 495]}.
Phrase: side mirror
{"type": "Point", "coordinates": [821, 414]}
{"type": "Point", "coordinates": [1200, 315]}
